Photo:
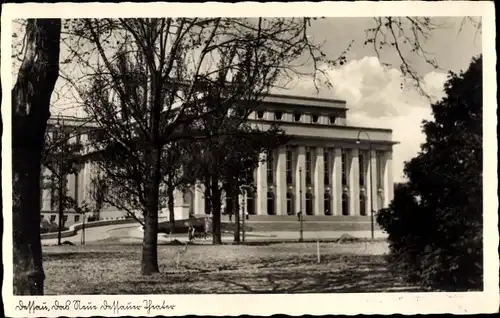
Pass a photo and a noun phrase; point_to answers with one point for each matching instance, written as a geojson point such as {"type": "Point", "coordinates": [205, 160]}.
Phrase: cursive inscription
{"type": "Point", "coordinates": [149, 306]}
{"type": "Point", "coordinates": [32, 306]}
{"type": "Point", "coordinates": [114, 306]}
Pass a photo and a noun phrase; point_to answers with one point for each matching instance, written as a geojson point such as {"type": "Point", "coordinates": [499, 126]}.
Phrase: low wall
{"type": "Point", "coordinates": [78, 226]}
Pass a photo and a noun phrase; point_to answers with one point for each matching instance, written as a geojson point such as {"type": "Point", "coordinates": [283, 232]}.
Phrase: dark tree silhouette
{"type": "Point", "coordinates": [435, 221]}
{"type": "Point", "coordinates": [30, 111]}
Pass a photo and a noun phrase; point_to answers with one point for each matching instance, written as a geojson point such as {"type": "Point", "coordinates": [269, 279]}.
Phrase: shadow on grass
{"type": "Point", "coordinates": [366, 274]}
{"type": "Point", "coordinates": [272, 276]}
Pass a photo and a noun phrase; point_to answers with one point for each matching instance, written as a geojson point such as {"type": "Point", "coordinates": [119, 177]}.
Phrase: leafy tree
{"type": "Point", "coordinates": [435, 221]}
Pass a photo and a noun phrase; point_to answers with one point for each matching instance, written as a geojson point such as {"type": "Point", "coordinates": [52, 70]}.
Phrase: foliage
{"type": "Point", "coordinates": [435, 221]}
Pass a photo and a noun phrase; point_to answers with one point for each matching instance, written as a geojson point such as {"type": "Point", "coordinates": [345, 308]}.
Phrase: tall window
{"type": "Point", "coordinates": [289, 203]}
{"type": "Point", "coordinates": [229, 205]}
{"type": "Point", "coordinates": [309, 204]}
{"type": "Point", "coordinates": [53, 191]}
{"type": "Point", "coordinates": [344, 167]}
{"type": "Point", "coordinates": [345, 204]}
{"type": "Point", "coordinates": [362, 204]}
{"type": "Point", "coordinates": [361, 169]}
{"type": "Point", "coordinates": [328, 208]}
{"type": "Point", "coordinates": [327, 168]}
{"type": "Point", "coordinates": [208, 206]}
{"type": "Point", "coordinates": [249, 177]}
{"type": "Point", "coordinates": [297, 116]}
{"type": "Point", "coordinates": [77, 185]}
{"type": "Point", "coordinates": [270, 166]}
{"type": "Point", "coordinates": [380, 170]}
{"type": "Point", "coordinates": [270, 203]}
{"type": "Point", "coordinates": [289, 173]}
{"type": "Point", "coordinates": [250, 203]}
{"type": "Point", "coordinates": [278, 115]}
{"type": "Point", "coordinates": [308, 166]}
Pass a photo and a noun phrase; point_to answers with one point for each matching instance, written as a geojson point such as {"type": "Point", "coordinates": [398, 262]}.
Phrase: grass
{"type": "Point", "coordinates": [273, 268]}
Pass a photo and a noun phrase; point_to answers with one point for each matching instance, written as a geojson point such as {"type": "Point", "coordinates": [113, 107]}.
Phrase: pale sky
{"type": "Point", "coordinates": [373, 92]}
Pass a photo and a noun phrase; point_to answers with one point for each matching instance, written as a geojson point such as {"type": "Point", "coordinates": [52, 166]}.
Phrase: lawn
{"type": "Point", "coordinates": [273, 268]}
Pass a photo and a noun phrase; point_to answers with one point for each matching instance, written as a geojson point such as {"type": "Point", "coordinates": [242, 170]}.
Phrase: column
{"type": "Point", "coordinates": [46, 191]}
{"type": "Point", "coordinates": [280, 193]}
{"type": "Point", "coordinates": [372, 184]}
{"type": "Point", "coordinates": [178, 197]}
{"type": "Point", "coordinates": [83, 180]}
{"type": "Point", "coordinates": [366, 187]}
{"type": "Point", "coordinates": [337, 181]}
{"type": "Point", "coordinates": [199, 200]}
{"type": "Point", "coordinates": [243, 207]}
{"type": "Point", "coordinates": [319, 182]}
{"type": "Point", "coordinates": [354, 182]}
{"type": "Point", "coordinates": [300, 180]}
{"type": "Point", "coordinates": [86, 184]}
{"type": "Point", "coordinates": [261, 200]}
{"type": "Point", "coordinates": [388, 179]}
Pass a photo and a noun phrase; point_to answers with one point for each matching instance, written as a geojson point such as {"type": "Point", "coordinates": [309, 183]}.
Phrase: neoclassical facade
{"type": "Point", "coordinates": [328, 168]}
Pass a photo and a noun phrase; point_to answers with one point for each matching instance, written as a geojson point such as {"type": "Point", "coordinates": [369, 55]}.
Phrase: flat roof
{"type": "Point", "coordinates": [304, 101]}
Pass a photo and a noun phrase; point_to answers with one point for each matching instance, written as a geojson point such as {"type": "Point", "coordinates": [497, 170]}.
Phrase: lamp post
{"type": "Point", "coordinates": [301, 218]}
{"type": "Point", "coordinates": [358, 141]}
{"type": "Point", "coordinates": [243, 216]}
{"type": "Point", "coordinates": [60, 126]}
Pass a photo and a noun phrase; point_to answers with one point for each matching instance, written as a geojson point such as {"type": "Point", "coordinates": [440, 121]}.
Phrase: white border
{"type": "Point", "coordinates": [295, 304]}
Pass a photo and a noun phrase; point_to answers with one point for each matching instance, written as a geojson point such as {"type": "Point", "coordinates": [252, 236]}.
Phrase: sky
{"type": "Point", "coordinates": [374, 93]}
{"type": "Point", "coordinates": [377, 95]}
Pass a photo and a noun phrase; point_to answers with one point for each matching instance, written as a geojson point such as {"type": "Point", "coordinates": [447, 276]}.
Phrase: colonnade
{"type": "Point", "coordinates": [317, 181]}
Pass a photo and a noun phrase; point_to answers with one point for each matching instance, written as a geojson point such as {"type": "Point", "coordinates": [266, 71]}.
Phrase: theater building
{"type": "Point", "coordinates": [327, 169]}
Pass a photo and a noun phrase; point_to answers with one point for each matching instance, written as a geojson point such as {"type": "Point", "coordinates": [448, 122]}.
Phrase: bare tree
{"type": "Point", "coordinates": [407, 36]}
{"type": "Point", "coordinates": [30, 111]}
{"type": "Point", "coordinates": [162, 71]}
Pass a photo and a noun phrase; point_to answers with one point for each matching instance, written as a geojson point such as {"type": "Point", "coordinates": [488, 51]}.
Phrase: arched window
{"type": "Point", "coordinates": [289, 204]}
{"type": "Point", "coordinates": [309, 204]}
{"type": "Point", "coordinates": [208, 206]}
{"type": "Point", "coordinates": [328, 208]}
{"type": "Point", "coordinates": [345, 204]}
{"type": "Point", "coordinates": [362, 204]}
{"type": "Point", "coordinates": [270, 203]}
{"type": "Point", "coordinates": [250, 204]}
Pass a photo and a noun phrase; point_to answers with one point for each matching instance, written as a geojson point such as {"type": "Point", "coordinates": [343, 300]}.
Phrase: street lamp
{"type": "Point", "coordinates": [300, 215]}
{"type": "Point", "coordinates": [358, 141]}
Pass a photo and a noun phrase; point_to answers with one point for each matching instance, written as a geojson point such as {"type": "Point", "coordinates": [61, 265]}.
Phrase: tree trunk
{"type": "Point", "coordinates": [171, 214]}
{"type": "Point", "coordinates": [236, 211]}
{"type": "Point", "coordinates": [216, 207]}
{"type": "Point", "coordinates": [30, 109]}
{"type": "Point", "coordinates": [149, 264]}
